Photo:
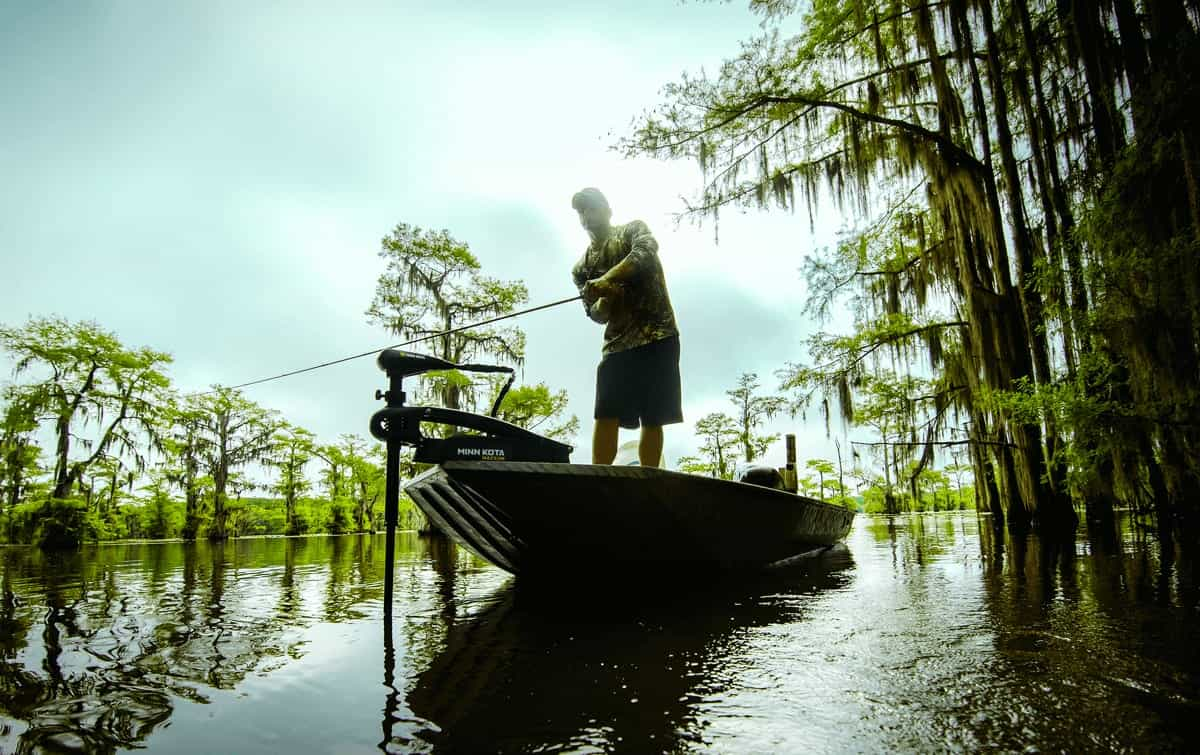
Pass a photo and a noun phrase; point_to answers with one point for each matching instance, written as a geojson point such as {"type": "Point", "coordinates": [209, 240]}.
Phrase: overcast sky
{"type": "Point", "coordinates": [213, 178]}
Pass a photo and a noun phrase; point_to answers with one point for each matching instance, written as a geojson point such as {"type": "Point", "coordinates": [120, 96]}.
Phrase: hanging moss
{"type": "Point", "coordinates": [1008, 129]}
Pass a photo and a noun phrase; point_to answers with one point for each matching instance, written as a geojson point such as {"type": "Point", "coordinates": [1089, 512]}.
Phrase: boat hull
{"type": "Point", "coordinates": [535, 517]}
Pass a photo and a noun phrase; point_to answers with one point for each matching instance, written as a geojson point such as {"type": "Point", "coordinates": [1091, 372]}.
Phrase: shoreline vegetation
{"type": "Point", "coordinates": [156, 541]}
{"type": "Point", "coordinates": [418, 530]}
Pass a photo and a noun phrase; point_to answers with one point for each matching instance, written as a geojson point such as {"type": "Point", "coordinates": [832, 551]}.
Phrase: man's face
{"type": "Point", "coordinates": [595, 221]}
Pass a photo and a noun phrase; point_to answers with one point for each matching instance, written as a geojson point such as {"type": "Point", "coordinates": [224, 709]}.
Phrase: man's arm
{"type": "Point", "coordinates": [642, 246]}
{"type": "Point", "coordinates": [592, 306]}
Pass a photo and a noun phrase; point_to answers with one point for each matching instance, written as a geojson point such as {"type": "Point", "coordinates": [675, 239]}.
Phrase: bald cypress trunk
{"type": "Point", "coordinates": [220, 475]}
{"type": "Point", "coordinates": [1001, 333]}
{"type": "Point", "coordinates": [987, 496]}
{"type": "Point", "coordinates": [1050, 503]}
{"type": "Point", "coordinates": [1060, 220]}
{"type": "Point", "coordinates": [1052, 237]}
{"type": "Point", "coordinates": [1087, 36]}
{"type": "Point", "coordinates": [1056, 215]}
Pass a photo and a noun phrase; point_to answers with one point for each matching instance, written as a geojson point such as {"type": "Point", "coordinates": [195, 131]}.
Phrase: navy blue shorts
{"type": "Point", "coordinates": [640, 386]}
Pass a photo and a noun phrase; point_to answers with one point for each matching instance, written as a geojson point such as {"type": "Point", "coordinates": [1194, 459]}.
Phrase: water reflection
{"type": "Point", "coordinates": [941, 633]}
{"type": "Point", "coordinates": [1090, 628]}
{"type": "Point", "coordinates": [91, 693]}
{"type": "Point", "coordinates": [97, 647]}
{"type": "Point", "coordinates": [607, 667]}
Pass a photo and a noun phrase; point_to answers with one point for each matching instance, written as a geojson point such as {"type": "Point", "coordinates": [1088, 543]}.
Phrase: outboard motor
{"type": "Point", "coordinates": [767, 477]}
{"type": "Point", "coordinates": [493, 439]}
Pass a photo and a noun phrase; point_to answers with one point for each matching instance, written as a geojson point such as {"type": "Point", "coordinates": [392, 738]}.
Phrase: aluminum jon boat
{"type": "Point", "coordinates": [512, 497]}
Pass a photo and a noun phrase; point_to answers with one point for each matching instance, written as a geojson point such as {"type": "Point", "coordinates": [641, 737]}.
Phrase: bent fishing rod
{"type": "Point", "coordinates": [427, 337]}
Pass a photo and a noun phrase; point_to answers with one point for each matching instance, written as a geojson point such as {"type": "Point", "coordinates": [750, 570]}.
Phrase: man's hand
{"type": "Point", "coordinates": [601, 310]}
{"type": "Point", "coordinates": [598, 287]}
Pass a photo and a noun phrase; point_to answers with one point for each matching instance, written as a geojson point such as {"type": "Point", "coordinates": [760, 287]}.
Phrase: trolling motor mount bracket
{"type": "Point", "coordinates": [491, 439]}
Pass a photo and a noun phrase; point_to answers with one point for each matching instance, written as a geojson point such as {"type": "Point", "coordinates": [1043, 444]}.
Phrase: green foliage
{"type": "Point", "coordinates": [161, 517]}
{"type": "Point", "coordinates": [433, 284]}
{"type": "Point", "coordinates": [750, 411]}
{"type": "Point", "coordinates": [86, 380]}
{"type": "Point", "coordinates": [20, 454]}
{"type": "Point", "coordinates": [725, 439]}
{"type": "Point", "coordinates": [20, 522]}
{"type": "Point", "coordinates": [183, 445]}
{"type": "Point", "coordinates": [845, 501]}
{"type": "Point", "coordinates": [825, 485]}
{"type": "Point", "coordinates": [695, 465]}
{"type": "Point", "coordinates": [440, 386]}
{"type": "Point", "coordinates": [532, 406]}
{"type": "Point", "coordinates": [355, 472]}
{"type": "Point", "coordinates": [231, 432]}
{"type": "Point", "coordinates": [62, 524]}
{"type": "Point", "coordinates": [719, 446]}
{"type": "Point", "coordinates": [340, 517]}
{"type": "Point", "coordinates": [874, 500]}
{"type": "Point", "coordinates": [301, 523]}
{"type": "Point", "coordinates": [291, 450]}
{"type": "Point", "coordinates": [337, 460]}
{"type": "Point", "coordinates": [114, 415]}
{"type": "Point", "coordinates": [933, 496]}
{"type": "Point", "coordinates": [1016, 275]}
{"type": "Point", "coordinates": [1093, 406]}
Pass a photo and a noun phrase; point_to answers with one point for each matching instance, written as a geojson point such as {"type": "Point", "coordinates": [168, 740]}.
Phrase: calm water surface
{"type": "Point", "coordinates": [924, 633]}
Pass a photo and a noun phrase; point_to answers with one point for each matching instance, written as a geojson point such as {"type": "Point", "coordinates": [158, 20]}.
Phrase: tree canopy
{"type": "Point", "coordinates": [433, 284]}
{"type": "Point", "coordinates": [1022, 180]}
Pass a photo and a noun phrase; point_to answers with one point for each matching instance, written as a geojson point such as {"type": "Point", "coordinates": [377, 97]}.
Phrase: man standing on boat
{"type": "Point", "coordinates": [621, 281]}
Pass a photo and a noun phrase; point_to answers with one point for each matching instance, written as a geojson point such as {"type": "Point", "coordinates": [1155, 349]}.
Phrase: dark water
{"type": "Point", "coordinates": [923, 634]}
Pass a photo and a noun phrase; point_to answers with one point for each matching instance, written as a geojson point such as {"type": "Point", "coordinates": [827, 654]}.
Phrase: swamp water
{"type": "Point", "coordinates": [924, 633]}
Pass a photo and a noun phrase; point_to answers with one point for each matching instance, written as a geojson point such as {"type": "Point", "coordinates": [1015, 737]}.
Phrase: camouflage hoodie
{"type": "Point", "coordinates": [641, 313]}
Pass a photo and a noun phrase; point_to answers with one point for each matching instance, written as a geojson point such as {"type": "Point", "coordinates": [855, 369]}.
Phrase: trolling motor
{"type": "Point", "coordinates": [399, 425]}
{"type": "Point", "coordinates": [493, 440]}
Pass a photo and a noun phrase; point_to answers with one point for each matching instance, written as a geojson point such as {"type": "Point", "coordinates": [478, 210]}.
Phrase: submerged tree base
{"type": "Point", "coordinates": [64, 525]}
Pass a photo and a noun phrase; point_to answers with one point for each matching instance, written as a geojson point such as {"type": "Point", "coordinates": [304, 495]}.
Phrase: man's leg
{"type": "Point", "coordinates": [650, 446]}
{"type": "Point", "coordinates": [604, 440]}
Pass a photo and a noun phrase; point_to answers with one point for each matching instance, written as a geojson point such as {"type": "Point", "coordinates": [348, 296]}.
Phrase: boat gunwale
{"type": "Point", "coordinates": [621, 471]}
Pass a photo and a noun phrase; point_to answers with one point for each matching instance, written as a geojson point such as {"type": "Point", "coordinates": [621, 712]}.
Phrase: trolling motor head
{"type": "Point", "coordinates": [493, 439]}
{"type": "Point", "coordinates": [407, 363]}
{"type": "Point", "coordinates": [400, 364]}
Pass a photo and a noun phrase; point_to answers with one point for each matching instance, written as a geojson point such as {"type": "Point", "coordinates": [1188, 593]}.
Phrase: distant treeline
{"type": "Point", "coordinates": [131, 457]}
{"type": "Point", "coordinates": [731, 441]}
{"type": "Point", "coordinates": [159, 516]}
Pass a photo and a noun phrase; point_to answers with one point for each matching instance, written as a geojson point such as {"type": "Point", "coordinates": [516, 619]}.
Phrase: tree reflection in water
{"type": "Point", "coordinates": [1086, 628]}
{"type": "Point", "coordinates": [97, 648]}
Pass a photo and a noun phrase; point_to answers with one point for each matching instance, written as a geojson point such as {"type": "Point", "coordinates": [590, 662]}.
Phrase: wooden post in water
{"type": "Point", "coordinates": [789, 474]}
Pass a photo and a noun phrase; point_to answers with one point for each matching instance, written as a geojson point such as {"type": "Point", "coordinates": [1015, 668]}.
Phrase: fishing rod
{"type": "Point", "coordinates": [427, 337]}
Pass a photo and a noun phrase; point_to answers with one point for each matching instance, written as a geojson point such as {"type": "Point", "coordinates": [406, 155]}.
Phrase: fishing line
{"type": "Point", "coordinates": [406, 343]}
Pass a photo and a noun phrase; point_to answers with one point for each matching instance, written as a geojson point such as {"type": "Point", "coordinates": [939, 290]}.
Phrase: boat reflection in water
{"type": "Point", "coordinates": [616, 668]}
